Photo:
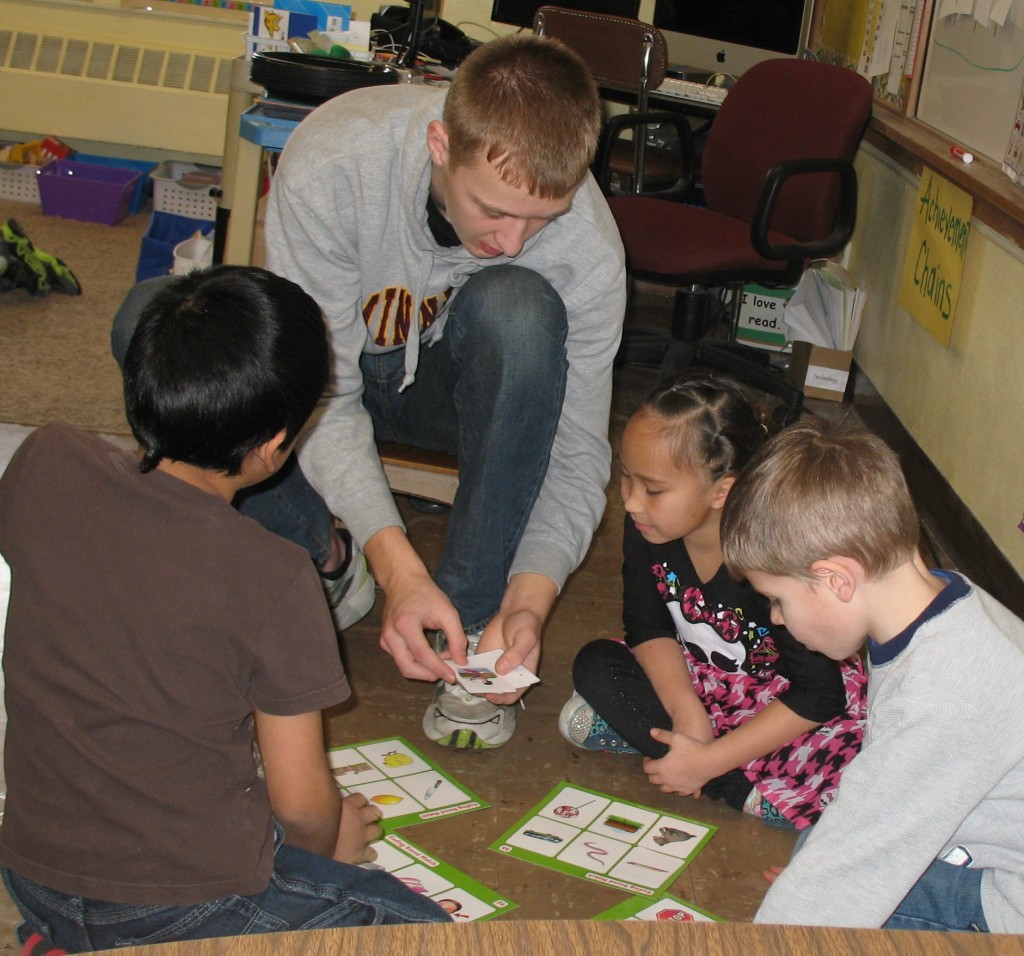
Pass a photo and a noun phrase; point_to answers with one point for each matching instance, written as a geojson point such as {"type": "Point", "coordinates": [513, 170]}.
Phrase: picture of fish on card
{"type": "Point", "coordinates": [407, 786]}
{"type": "Point", "coordinates": [478, 675]}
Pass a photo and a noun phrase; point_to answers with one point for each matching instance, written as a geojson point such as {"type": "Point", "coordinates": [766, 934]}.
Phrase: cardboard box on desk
{"type": "Point", "coordinates": [820, 372]}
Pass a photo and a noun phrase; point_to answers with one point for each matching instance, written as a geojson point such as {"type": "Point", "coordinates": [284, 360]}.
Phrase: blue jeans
{"type": "Point", "coordinates": [305, 892]}
{"type": "Point", "coordinates": [489, 392]}
{"type": "Point", "coordinates": [945, 897]}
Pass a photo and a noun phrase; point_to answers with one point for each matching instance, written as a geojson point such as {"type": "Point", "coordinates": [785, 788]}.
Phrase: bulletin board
{"type": "Point", "coordinates": [971, 85]}
{"type": "Point", "coordinates": [883, 40]}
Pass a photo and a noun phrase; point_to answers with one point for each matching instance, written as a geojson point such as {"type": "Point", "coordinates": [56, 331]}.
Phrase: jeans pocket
{"type": "Point", "coordinates": [229, 916]}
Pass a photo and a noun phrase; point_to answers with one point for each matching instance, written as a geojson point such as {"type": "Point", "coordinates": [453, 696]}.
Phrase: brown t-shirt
{"type": "Point", "coordinates": [147, 620]}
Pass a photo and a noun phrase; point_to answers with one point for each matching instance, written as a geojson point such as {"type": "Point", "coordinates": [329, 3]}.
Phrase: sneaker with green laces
{"type": "Point", "coordinates": [460, 720]}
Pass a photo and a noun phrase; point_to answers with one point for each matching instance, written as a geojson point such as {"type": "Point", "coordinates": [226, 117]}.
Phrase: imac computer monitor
{"type": "Point", "coordinates": [730, 36]}
{"type": "Point", "coordinates": [519, 13]}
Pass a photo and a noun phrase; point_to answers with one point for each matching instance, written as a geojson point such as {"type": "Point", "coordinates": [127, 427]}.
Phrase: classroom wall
{"type": "Point", "coordinates": [962, 404]}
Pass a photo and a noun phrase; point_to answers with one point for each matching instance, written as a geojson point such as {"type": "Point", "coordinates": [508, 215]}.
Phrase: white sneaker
{"type": "Point", "coordinates": [352, 595]}
{"type": "Point", "coordinates": [464, 721]}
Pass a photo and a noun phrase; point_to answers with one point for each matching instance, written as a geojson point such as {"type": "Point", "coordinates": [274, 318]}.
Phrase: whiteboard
{"type": "Point", "coordinates": [972, 81]}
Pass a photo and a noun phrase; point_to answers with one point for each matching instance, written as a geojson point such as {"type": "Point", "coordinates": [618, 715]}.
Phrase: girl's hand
{"type": "Point", "coordinates": [683, 769]}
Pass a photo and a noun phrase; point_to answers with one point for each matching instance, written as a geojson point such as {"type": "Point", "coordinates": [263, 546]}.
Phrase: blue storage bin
{"type": "Point", "coordinates": [143, 188]}
{"type": "Point", "coordinates": [166, 230]}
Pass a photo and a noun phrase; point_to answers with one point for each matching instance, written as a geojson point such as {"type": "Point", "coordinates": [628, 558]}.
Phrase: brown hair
{"type": "Point", "coordinates": [817, 490]}
{"type": "Point", "coordinates": [531, 106]}
{"type": "Point", "coordinates": [709, 423]}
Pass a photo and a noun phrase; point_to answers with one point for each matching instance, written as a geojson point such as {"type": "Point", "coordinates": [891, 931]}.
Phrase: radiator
{"type": "Point", "coordinates": [125, 92]}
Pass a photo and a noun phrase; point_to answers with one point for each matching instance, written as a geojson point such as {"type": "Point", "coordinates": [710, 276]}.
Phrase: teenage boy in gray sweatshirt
{"type": "Point", "coordinates": [473, 284]}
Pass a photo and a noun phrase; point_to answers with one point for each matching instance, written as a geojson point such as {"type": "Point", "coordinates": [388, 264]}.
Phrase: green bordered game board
{"type": "Point", "coordinates": [598, 837]}
{"type": "Point", "coordinates": [665, 908]}
{"type": "Point", "coordinates": [407, 786]}
{"type": "Point", "coordinates": [463, 897]}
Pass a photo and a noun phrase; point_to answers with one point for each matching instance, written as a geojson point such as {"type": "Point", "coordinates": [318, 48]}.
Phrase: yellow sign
{"type": "Point", "coordinates": [935, 256]}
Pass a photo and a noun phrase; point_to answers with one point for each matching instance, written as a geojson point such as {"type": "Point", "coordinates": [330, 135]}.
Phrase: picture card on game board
{"type": "Point", "coordinates": [598, 837]}
{"type": "Point", "coordinates": [465, 898]}
{"type": "Point", "coordinates": [403, 783]}
{"type": "Point", "coordinates": [666, 908]}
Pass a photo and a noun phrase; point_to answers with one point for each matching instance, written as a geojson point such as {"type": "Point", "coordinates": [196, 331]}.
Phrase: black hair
{"type": "Point", "coordinates": [710, 422]}
{"type": "Point", "coordinates": [221, 361]}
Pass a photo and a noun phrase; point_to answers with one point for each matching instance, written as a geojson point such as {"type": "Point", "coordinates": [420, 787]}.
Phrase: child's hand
{"type": "Point", "coordinates": [357, 830]}
{"type": "Point", "coordinates": [681, 770]}
{"type": "Point", "coordinates": [772, 873]}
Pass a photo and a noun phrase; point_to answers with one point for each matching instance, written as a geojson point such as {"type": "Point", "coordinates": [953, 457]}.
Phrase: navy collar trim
{"type": "Point", "coordinates": [956, 588]}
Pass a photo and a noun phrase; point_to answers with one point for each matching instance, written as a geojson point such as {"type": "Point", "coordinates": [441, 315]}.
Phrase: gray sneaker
{"type": "Point", "coordinates": [352, 595]}
{"type": "Point", "coordinates": [464, 721]}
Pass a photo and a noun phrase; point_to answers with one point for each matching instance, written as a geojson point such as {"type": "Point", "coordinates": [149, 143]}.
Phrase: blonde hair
{"type": "Point", "coordinates": [531, 106]}
{"type": "Point", "coordinates": [818, 490]}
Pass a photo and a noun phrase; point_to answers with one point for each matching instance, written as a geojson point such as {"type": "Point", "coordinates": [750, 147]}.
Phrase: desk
{"type": "Point", "coordinates": [587, 938]}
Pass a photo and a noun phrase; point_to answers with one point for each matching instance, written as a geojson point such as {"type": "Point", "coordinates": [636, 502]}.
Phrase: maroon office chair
{"type": "Point", "coordinates": [779, 187]}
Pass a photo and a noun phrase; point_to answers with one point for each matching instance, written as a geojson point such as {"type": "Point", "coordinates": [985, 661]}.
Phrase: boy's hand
{"type": "Point", "coordinates": [357, 829]}
{"type": "Point", "coordinates": [682, 769]}
{"type": "Point", "coordinates": [517, 626]}
{"type": "Point", "coordinates": [518, 635]}
{"type": "Point", "coordinates": [772, 873]}
{"type": "Point", "coordinates": [413, 605]}
{"type": "Point", "coordinates": [409, 612]}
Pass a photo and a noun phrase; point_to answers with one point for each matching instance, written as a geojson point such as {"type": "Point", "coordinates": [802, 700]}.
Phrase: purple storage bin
{"type": "Point", "coordinates": [86, 191]}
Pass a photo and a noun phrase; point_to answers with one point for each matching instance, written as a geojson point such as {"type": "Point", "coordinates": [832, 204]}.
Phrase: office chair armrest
{"type": "Point", "coordinates": [846, 213]}
{"type": "Point", "coordinates": [687, 159]}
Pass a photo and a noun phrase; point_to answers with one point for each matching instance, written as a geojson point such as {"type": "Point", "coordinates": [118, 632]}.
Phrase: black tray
{"type": "Point", "coordinates": [314, 79]}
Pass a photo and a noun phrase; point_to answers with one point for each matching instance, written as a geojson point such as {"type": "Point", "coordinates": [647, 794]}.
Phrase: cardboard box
{"type": "Point", "coordinates": [760, 320]}
{"type": "Point", "coordinates": [820, 372]}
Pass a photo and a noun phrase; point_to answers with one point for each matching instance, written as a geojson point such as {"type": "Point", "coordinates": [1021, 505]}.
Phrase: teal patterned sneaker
{"type": "Point", "coordinates": [580, 725]}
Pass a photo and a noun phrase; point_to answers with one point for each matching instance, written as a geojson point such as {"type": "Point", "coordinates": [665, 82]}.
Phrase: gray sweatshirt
{"type": "Point", "coordinates": [942, 766]}
{"type": "Point", "coordinates": [346, 219]}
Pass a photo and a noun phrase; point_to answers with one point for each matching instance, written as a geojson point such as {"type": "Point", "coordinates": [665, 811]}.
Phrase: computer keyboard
{"type": "Point", "coordinates": [691, 90]}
